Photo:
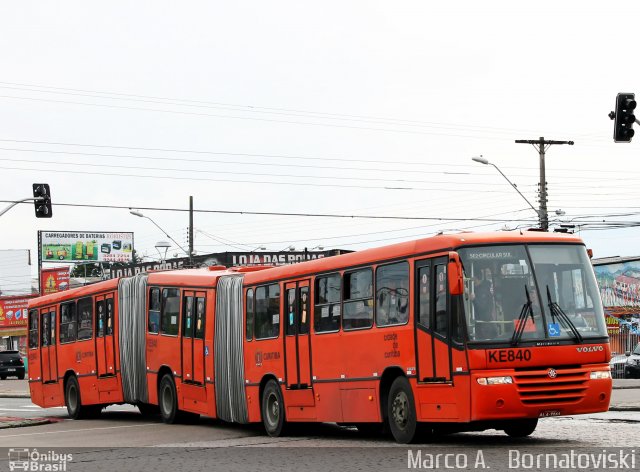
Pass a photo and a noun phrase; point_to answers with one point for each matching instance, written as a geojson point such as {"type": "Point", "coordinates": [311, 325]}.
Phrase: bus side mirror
{"type": "Point", "coordinates": [454, 271]}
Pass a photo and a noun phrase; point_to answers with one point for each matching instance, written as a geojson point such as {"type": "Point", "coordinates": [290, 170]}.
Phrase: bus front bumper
{"type": "Point", "coordinates": [540, 392]}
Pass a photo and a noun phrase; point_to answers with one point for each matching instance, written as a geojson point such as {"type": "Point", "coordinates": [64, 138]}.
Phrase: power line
{"type": "Point", "coordinates": [217, 171]}
{"type": "Point", "coordinates": [315, 215]}
{"type": "Point", "coordinates": [296, 184]}
{"type": "Point", "coordinates": [249, 108]}
{"type": "Point", "coordinates": [250, 118]}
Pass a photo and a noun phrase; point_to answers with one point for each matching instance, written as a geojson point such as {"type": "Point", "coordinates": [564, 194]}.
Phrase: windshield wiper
{"type": "Point", "coordinates": [563, 317]}
{"type": "Point", "coordinates": [522, 319]}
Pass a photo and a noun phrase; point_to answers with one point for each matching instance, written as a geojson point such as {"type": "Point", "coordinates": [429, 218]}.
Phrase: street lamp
{"type": "Point", "coordinates": [163, 245]}
{"type": "Point", "coordinates": [484, 161]}
{"type": "Point", "coordinates": [139, 214]}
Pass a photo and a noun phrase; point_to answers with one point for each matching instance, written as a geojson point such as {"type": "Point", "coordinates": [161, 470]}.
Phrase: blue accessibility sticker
{"type": "Point", "coordinates": [206, 350]}
{"type": "Point", "coordinates": [554, 330]}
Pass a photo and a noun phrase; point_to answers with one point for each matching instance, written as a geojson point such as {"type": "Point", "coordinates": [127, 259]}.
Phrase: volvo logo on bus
{"type": "Point", "coordinates": [552, 373]}
{"type": "Point", "coordinates": [590, 349]}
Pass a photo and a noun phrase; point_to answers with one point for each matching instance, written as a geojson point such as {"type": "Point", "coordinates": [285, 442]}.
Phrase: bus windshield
{"type": "Point", "coordinates": [531, 292]}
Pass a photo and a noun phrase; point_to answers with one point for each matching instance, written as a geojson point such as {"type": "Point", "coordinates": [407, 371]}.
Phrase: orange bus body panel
{"type": "Point", "coordinates": [330, 376]}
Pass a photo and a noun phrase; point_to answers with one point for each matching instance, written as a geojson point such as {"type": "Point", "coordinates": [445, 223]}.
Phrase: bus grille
{"type": "Point", "coordinates": [536, 387]}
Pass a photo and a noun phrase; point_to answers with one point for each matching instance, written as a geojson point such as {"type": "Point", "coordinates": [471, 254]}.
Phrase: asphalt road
{"type": "Point", "coordinates": [122, 439]}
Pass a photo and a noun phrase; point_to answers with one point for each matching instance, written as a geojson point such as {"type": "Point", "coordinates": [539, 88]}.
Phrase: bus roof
{"type": "Point", "coordinates": [443, 242]}
{"type": "Point", "coordinates": [208, 276]}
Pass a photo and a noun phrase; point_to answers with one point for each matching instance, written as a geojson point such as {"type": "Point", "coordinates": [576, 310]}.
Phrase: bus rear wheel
{"type": "Point", "coordinates": [75, 409]}
{"type": "Point", "coordinates": [521, 428]}
{"type": "Point", "coordinates": [168, 400]}
{"type": "Point", "coordinates": [273, 416]}
{"type": "Point", "coordinates": [401, 411]}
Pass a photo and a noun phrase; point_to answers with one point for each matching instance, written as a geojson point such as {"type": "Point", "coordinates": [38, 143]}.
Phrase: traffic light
{"type": "Point", "coordinates": [624, 118]}
{"type": "Point", "coordinates": [42, 203]}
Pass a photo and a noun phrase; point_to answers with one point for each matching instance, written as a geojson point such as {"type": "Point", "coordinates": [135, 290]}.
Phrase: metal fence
{"type": "Point", "coordinates": [621, 343]}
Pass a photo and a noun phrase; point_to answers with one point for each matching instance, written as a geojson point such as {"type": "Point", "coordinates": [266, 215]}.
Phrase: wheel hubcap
{"type": "Point", "coordinates": [73, 398]}
{"type": "Point", "coordinates": [167, 400]}
{"type": "Point", "coordinates": [273, 410]}
{"type": "Point", "coordinates": [400, 410]}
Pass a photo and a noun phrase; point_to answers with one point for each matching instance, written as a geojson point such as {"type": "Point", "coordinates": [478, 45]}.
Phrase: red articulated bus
{"type": "Point", "coordinates": [450, 333]}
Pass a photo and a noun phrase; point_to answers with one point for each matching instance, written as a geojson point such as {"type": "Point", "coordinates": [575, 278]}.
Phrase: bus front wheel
{"type": "Point", "coordinates": [168, 403]}
{"type": "Point", "coordinates": [521, 428]}
{"type": "Point", "coordinates": [401, 411]}
{"type": "Point", "coordinates": [273, 416]}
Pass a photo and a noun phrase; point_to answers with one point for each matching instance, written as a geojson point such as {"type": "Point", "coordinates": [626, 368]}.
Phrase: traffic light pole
{"type": "Point", "coordinates": [30, 199]}
{"type": "Point", "coordinates": [191, 231]}
{"type": "Point", "coordinates": [541, 145]}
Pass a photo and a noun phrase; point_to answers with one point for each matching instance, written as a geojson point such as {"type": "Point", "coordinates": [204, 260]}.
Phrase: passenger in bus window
{"type": "Point", "coordinates": [393, 302]}
{"type": "Point", "coordinates": [483, 305]}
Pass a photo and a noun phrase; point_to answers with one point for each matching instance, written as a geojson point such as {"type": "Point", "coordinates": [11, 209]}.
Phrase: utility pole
{"type": "Point", "coordinates": [541, 145]}
{"type": "Point", "coordinates": [191, 231]}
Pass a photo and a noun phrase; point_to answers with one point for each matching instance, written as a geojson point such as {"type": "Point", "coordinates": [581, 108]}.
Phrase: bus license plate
{"type": "Point", "coordinates": [548, 413]}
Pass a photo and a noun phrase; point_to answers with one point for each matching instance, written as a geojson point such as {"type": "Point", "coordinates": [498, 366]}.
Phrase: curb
{"type": "Point", "coordinates": [15, 395]}
{"type": "Point", "coordinates": [625, 408]}
{"type": "Point", "coordinates": [24, 423]}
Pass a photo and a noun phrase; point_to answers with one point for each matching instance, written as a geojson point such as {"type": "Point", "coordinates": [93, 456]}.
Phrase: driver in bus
{"type": "Point", "coordinates": [483, 305]}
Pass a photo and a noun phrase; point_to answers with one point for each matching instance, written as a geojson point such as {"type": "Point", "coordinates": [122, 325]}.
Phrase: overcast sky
{"type": "Point", "coordinates": [348, 108]}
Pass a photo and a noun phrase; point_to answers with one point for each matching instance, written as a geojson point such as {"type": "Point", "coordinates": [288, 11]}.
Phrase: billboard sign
{"type": "Point", "coordinates": [227, 259]}
{"type": "Point", "coordinates": [13, 312]}
{"type": "Point", "coordinates": [54, 280]}
{"type": "Point", "coordinates": [83, 246]}
{"type": "Point", "coordinates": [619, 284]}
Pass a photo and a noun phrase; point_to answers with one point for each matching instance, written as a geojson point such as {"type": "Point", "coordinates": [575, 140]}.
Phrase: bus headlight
{"type": "Point", "coordinates": [601, 374]}
{"type": "Point", "coordinates": [494, 380]}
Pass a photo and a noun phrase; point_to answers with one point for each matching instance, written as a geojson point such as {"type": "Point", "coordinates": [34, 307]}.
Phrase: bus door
{"type": "Point", "coordinates": [48, 339]}
{"type": "Point", "coordinates": [433, 348]}
{"type": "Point", "coordinates": [105, 342]}
{"type": "Point", "coordinates": [193, 324]}
{"type": "Point", "coordinates": [297, 347]}
{"type": "Point", "coordinates": [35, 372]}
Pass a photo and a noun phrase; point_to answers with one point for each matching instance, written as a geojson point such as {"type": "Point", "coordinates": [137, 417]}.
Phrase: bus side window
{"type": "Point", "coordinates": [327, 309]}
{"type": "Point", "coordinates": [424, 297]}
{"type": "Point", "coordinates": [68, 322]}
{"type": "Point", "coordinates": [170, 312]}
{"type": "Point", "coordinates": [187, 317]}
{"type": "Point", "coordinates": [33, 329]}
{"type": "Point", "coordinates": [268, 311]}
{"type": "Point", "coordinates": [154, 310]}
{"type": "Point", "coordinates": [200, 318]}
{"type": "Point", "coordinates": [358, 299]}
{"type": "Point", "coordinates": [250, 315]}
{"type": "Point", "coordinates": [100, 319]}
{"type": "Point", "coordinates": [109, 330]}
{"type": "Point", "coordinates": [85, 318]}
{"type": "Point", "coordinates": [441, 319]}
{"type": "Point", "coordinates": [52, 324]}
{"type": "Point", "coordinates": [304, 310]}
{"type": "Point", "coordinates": [392, 294]}
{"type": "Point", "coordinates": [291, 312]}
